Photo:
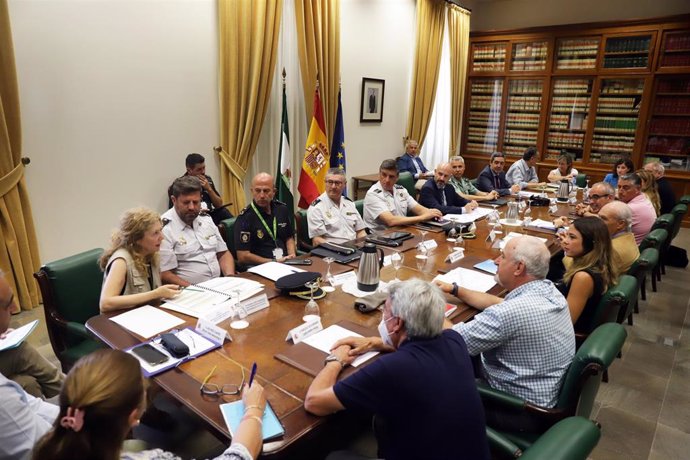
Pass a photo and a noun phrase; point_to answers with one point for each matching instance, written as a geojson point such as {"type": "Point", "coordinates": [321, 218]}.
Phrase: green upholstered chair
{"type": "Point", "coordinates": [678, 212]}
{"type": "Point", "coordinates": [303, 240]}
{"type": "Point", "coordinates": [71, 291]}
{"type": "Point", "coordinates": [579, 388]}
{"type": "Point", "coordinates": [643, 266]}
{"type": "Point", "coordinates": [613, 306]}
{"type": "Point", "coordinates": [573, 438]}
{"type": "Point", "coordinates": [359, 204]}
{"type": "Point", "coordinates": [667, 222]}
{"type": "Point", "coordinates": [685, 199]}
{"type": "Point", "coordinates": [581, 180]}
{"type": "Point", "coordinates": [227, 231]}
{"type": "Point", "coordinates": [655, 239]}
{"type": "Point", "coordinates": [407, 180]}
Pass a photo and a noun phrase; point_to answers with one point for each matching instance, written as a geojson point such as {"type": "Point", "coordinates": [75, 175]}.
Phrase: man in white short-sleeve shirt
{"type": "Point", "coordinates": [387, 203]}
{"type": "Point", "coordinates": [192, 250]}
{"type": "Point", "coordinates": [332, 216]}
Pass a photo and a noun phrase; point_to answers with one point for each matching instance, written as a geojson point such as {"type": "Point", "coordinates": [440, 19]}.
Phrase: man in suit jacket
{"type": "Point", "coordinates": [492, 177]}
{"type": "Point", "coordinates": [437, 194]}
{"type": "Point", "coordinates": [410, 162]}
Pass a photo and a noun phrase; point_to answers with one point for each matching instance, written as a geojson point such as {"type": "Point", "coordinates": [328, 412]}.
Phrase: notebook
{"type": "Point", "coordinates": [497, 202]}
{"type": "Point", "coordinates": [234, 411]}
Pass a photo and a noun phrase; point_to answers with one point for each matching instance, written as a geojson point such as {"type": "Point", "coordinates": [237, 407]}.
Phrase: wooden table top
{"type": "Point", "coordinates": [285, 385]}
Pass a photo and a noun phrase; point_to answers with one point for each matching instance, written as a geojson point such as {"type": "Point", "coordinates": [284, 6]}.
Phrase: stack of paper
{"type": "Point", "coordinates": [274, 270]}
{"type": "Point", "coordinates": [14, 338]}
{"type": "Point", "coordinates": [470, 279]}
{"type": "Point", "coordinates": [477, 213]}
{"type": "Point", "coordinates": [325, 339]}
{"type": "Point", "coordinates": [147, 321]}
{"type": "Point", "coordinates": [512, 235]}
{"type": "Point", "coordinates": [543, 224]}
{"type": "Point", "coordinates": [197, 299]}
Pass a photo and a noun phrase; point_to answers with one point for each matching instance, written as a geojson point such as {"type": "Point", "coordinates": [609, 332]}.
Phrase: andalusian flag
{"type": "Point", "coordinates": [338, 145]}
{"type": "Point", "coordinates": [316, 158]}
{"type": "Point", "coordinates": [284, 175]}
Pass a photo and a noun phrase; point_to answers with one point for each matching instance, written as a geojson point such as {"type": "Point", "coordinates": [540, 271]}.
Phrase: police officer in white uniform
{"type": "Point", "coordinates": [192, 250]}
{"type": "Point", "coordinates": [332, 216]}
{"type": "Point", "coordinates": [387, 203]}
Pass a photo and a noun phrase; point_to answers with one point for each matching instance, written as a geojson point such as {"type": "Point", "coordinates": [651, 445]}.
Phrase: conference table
{"type": "Point", "coordinates": [285, 385]}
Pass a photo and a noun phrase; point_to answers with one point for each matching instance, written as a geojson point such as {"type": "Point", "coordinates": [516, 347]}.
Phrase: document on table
{"type": "Point", "coordinates": [147, 321]}
{"type": "Point", "coordinates": [468, 278]}
{"type": "Point", "coordinates": [274, 270]}
{"type": "Point", "coordinates": [197, 299]}
{"type": "Point", "coordinates": [17, 336]}
{"type": "Point", "coordinates": [543, 224]}
{"type": "Point", "coordinates": [477, 213]}
{"type": "Point", "coordinates": [325, 339]}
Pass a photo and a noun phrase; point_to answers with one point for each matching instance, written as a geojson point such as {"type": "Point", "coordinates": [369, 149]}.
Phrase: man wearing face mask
{"type": "Point", "coordinates": [421, 360]}
{"type": "Point", "coordinates": [526, 340]}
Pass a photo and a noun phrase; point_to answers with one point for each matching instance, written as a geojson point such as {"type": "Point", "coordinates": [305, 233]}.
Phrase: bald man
{"type": "Point", "coordinates": [438, 194]}
{"type": "Point", "coordinates": [262, 231]}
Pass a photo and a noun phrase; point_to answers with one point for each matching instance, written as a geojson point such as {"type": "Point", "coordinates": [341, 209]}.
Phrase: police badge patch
{"type": "Point", "coordinates": [260, 234]}
{"type": "Point", "coordinates": [244, 237]}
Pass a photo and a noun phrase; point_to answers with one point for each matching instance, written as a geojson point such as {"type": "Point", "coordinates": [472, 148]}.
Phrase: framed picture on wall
{"type": "Point", "coordinates": [371, 110]}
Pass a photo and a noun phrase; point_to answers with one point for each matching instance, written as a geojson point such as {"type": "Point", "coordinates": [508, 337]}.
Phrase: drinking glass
{"type": "Point", "coordinates": [311, 309]}
{"type": "Point", "coordinates": [397, 261]}
{"type": "Point", "coordinates": [239, 312]}
{"type": "Point", "coordinates": [329, 275]}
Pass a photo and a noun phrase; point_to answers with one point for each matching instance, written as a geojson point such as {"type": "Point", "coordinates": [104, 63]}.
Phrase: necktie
{"type": "Point", "coordinates": [496, 181]}
{"type": "Point", "coordinates": [443, 198]}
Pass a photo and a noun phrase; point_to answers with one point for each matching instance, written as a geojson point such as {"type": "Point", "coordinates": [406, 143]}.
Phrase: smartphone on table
{"type": "Point", "coordinates": [150, 354]}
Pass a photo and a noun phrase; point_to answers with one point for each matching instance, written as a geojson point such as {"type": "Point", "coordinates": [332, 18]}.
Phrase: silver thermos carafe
{"type": "Point", "coordinates": [563, 190]}
{"type": "Point", "coordinates": [370, 264]}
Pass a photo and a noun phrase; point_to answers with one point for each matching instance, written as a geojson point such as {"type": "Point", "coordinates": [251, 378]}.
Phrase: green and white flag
{"type": "Point", "coordinates": [284, 175]}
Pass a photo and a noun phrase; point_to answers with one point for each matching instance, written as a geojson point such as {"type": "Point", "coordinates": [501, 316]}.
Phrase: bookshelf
{"type": "Point", "coordinates": [628, 52]}
{"type": "Point", "coordinates": [529, 56]}
{"type": "Point", "coordinates": [488, 57]}
{"type": "Point", "coordinates": [570, 103]}
{"type": "Point", "coordinates": [522, 116]}
{"type": "Point", "coordinates": [486, 97]}
{"type": "Point", "coordinates": [675, 51]}
{"type": "Point", "coordinates": [577, 53]}
{"type": "Point", "coordinates": [668, 138]}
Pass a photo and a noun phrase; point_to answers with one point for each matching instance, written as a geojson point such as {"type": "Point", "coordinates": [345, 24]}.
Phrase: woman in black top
{"type": "Point", "coordinates": [591, 271]}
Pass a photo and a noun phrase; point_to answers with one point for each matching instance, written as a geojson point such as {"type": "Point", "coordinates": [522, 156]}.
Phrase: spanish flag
{"type": "Point", "coordinates": [316, 158]}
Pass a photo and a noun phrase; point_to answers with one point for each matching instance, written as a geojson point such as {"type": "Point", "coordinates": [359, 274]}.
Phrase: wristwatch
{"type": "Point", "coordinates": [331, 358]}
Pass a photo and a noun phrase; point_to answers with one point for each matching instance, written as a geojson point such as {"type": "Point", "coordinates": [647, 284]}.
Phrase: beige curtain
{"type": "Point", "coordinates": [459, 38]}
{"type": "Point", "coordinates": [430, 22]}
{"type": "Point", "coordinates": [318, 38]}
{"type": "Point", "coordinates": [248, 35]}
{"type": "Point", "coordinates": [19, 248]}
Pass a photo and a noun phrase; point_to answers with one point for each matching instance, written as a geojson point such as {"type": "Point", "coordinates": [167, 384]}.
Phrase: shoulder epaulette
{"type": "Point", "coordinates": [278, 202]}
{"type": "Point", "coordinates": [398, 186]}
{"type": "Point", "coordinates": [244, 210]}
{"type": "Point", "coordinates": [315, 202]}
{"type": "Point", "coordinates": [378, 190]}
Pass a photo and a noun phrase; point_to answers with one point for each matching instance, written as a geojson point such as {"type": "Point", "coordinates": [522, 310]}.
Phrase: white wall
{"type": "Point", "coordinates": [113, 95]}
{"type": "Point", "coordinates": [513, 14]}
{"type": "Point", "coordinates": [377, 41]}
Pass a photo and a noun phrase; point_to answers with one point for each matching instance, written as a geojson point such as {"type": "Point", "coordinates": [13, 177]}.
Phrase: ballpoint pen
{"type": "Point", "coordinates": [252, 374]}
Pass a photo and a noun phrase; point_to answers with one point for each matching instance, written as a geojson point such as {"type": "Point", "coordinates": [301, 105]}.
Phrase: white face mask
{"type": "Point", "coordinates": [383, 331]}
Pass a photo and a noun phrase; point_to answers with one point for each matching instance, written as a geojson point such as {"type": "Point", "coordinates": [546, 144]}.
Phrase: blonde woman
{"type": "Point", "coordinates": [131, 267]}
{"type": "Point", "coordinates": [650, 189]}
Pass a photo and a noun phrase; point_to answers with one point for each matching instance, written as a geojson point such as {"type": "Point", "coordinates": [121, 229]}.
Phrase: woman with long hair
{"type": "Point", "coordinates": [650, 188]}
{"type": "Point", "coordinates": [131, 266]}
{"type": "Point", "coordinates": [103, 398]}
{"type": "Point", "coordinates": [591, 270]}
{"type": "Point", "coordinates": [623, 166]}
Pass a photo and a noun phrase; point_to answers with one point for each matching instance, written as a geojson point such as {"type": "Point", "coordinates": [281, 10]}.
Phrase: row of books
{"type": "Point", "coordinates": [613, 142]}
{"type": "Point", "coordinates": [576, 63]}
{"type": "Point", "coordinates": [674, 86]}
{"type": "Point", "coordinates": [570, 103]}
{"type": "Point", "coordinates": [622, 86]}
{"type": "Point", "coordinates": [478, 101]}
{"type": "Point", "coordinates": [565, 121]}
{"type": "Point", "coordinates": [676, 60]}
{"type": "Point", "coordinates": [672, 105]}
{"type": "Point", "coordinates": [672, 145]}
{"type": "Point", "coordinates": [572, 140]}
{"type": "Point", "coordinates": [572, 86]}
{"type": "Point", "coordinates": [489, 52]}
{"type": "Point", "coordinates": [484, 118]}
{"type": "Point", "coordinates": [618, 104]}
{"type": "Point", "coordinates": [622, 62]}
{"type": "Point", "coordinates": [524, 103]}
{"type": "Point", "coordinates": [616, 123]}
{"type": "Point", "coordinates": [523, 120]}
{"type": "Point", "coordinates": [525, 87]}
{"type": "Point", "coordinates": [521, 136]}
{"type": "Point", "coordinates": [627, 44]}
{"type": "Point", "coordinates": [481, 147]}
{"type": "Point", "coordinates": [529, 65]}
{"type": "Point", "coordinates": [670, 126]}
{"type": "Point", "coordinates": [487, 66]}
{"type": "Point", "coordinates": [603, 157]}
{"type": "Point", "coordinates": [578, 47]}
{"type": "Point", "coordinates": [530, 50]}
{"type": "Point", "coordinates": [487, 86]}
{"type": "Point", "coordinates": [513, 150]}
{"type": "Point", "coordinates": [678, 42]}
